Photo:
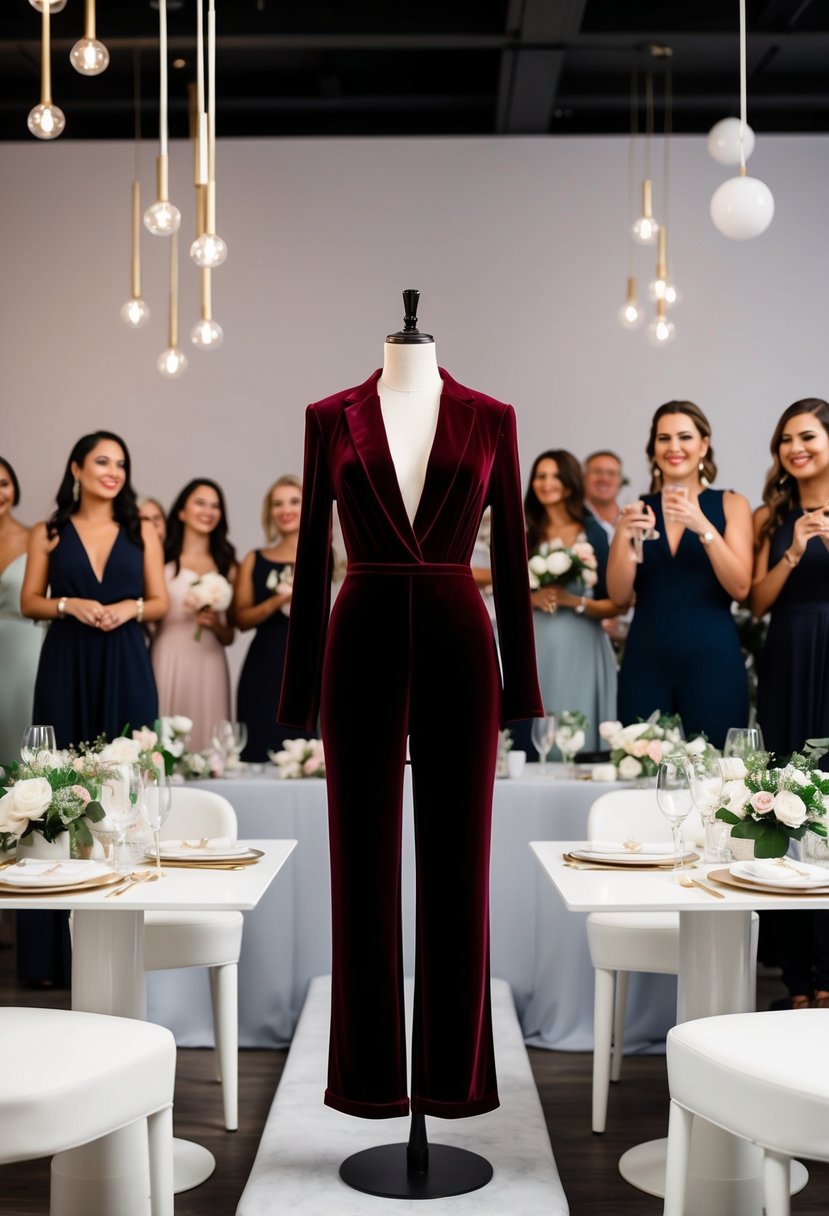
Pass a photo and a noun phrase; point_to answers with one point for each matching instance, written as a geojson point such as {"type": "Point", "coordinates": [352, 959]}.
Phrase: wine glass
{"type": "Point", "coordinates": [569, 741]}
{"type": "Point", "coordinates": [705, 781]}
{"type": "Point", "coordinates": [673, 794]}
{"type": "Point", "coordinates": [122, 796]}
{"type": "Point", "coordinates": [158, 798]}
{"type": "Point", "coordinates": [37, 739]}
{"type": "Point", "coordinates": [637, 552]}
{"type": "Point", "coordinates": [672, 490]}
{"type": "Point", "coordinates": [741, 741]}
{"type": "Point", "coordinates": [229, 738]}
{"type": "Point", "coordinates": [543, 737]}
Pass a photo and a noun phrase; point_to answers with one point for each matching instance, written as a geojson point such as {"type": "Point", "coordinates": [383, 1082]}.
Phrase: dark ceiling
{"type": "Point", "coordinates": [434, 67]}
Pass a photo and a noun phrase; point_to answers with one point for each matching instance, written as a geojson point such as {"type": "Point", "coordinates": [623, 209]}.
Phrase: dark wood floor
{"type": "Point", "coordinates": [587, 1163]}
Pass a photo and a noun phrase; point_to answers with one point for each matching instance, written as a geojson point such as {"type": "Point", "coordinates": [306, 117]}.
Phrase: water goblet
{"type": "Point", "coordinates": [741, 741]}
{"type": "Point", "coordinates": [706, 781]}
{"type": "Point", "coordinates": [37, 739]}
{"type": "Point", "coordinates": [543, 737]}
{"type": "Point", "coordinates": [158, 798]}
{"type": "Point", "coordinates": [229, 738]}
{"type": "Point", "coordinates": [569, 741]}
{"type": "Point", "coordinates": [673, 796]}
{"type": "Point", "coordinates": [122, 793]}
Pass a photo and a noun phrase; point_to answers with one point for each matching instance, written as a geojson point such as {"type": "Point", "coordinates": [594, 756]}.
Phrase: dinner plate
{"type": "Point", "coordinates": [801, 875]}
{"type": "Point", "coordinates": [726, 879]}
{"type": "Point", "coordinates": [631, 859]}
{"type": "Point", "coordinates": [202, 860]}
{"type": "Point", "coordinates": [184, 850]}
{"type": "Point", "coordinates": [55, 883]}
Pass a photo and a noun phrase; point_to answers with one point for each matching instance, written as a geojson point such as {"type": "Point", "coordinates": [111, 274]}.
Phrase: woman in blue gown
{"type": "Point", "coordinates": [94, 572]}
{"type": "Point", "coordinates": [682, 655]}
{"type": "Point", "coordinates": [791, 581]}
{"type": "Point", "coordinates": [262, 599]}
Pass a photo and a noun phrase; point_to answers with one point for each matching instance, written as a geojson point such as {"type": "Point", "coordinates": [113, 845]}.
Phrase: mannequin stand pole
{"type": "Point", "coordinates": [416, 1170]}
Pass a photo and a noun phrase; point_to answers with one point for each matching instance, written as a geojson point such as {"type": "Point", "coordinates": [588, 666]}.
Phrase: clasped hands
{"type": "Point", "coordinates": [550, 599]}
{"type": "Point", "coordinates": [103, 616]}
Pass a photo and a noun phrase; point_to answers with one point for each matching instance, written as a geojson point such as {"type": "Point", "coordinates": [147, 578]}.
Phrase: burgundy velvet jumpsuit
{"type": "Point", "coordinates": [409, 650]}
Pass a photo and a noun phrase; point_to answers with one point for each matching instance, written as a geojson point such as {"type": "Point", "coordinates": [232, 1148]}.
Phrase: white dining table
{"type": "Point", "coordinates": [108, 977]}
{"type": "Point", "coordinates": [715, 972]}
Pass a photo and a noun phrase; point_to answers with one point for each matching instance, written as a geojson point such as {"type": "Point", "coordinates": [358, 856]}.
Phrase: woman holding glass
{"type": "Point", "coordinates": [576, 667]}
{"type": "Point", "coordinates": [684, 551]}
{"type": "Point", "coordinates": [262, 600]}
{"type": "Point", "coordinates": [20, 641]}
{"type": "Point", "coordinates": [791, 581]}
{"type": "Point", "coordinates": [188, 649]}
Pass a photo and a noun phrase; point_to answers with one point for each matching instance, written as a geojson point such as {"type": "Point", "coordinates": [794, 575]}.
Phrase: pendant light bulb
{"type": "Point", "coordinates": [135, 313]}
{"type": "Point", "coordinates": [661, 331]}
{"type": "Point", "coordinates": [46, 121]}
{"type": "Point", "coordinates": [172, 363]}
{"type": "Point", "coordinates": [663, 289]}
{"type": "Point", "coordinates": [742, 208]}
{"type": "Point", "coordinates": [630, 314]}
{"type": "Point", "coordinates": [56, 6]}
{"type": "Point", "coordinates": [208, 251]}
{"type": "Point", "coordinates": [645, 228]}
{"type": "Point", "coordinates": [89, 56]}
{"type": "Point", "coordinates": [724, 141]}
{"type": "Point", "coordinates": [162, 218]}
{"type": "Point", "coordinates": [207, 334]}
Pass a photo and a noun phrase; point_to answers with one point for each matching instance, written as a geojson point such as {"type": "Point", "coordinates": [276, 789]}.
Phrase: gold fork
{"type": "Point", "coordinates": [685, 880]}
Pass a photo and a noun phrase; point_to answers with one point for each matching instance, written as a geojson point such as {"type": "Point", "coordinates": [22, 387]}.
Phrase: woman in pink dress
{"type": "Point", "coordinates": [188, 650]}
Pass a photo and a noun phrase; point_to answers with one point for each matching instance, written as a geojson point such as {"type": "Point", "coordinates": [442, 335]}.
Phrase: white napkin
{"type": "Point", "coordinates": [213, 844]}
{"type": "Point", "coordinates": [793, 874]}
{"type": "Point", "coordinates": [659, 848]}
{"type": "Point", "coordinates": [37, 873]}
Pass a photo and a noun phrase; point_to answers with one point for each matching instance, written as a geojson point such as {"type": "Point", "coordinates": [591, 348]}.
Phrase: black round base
{"type": "Point", "coordinates": [383, 1171]}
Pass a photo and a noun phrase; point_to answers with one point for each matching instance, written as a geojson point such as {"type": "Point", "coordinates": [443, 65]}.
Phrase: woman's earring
{"type": "Point", "coordinates": [656, 471]}
{"type": "Point", "coordinates": [702, 476]}
{"type": "Point", "coordinates": [76, 490]}
{"type": "Point", "coordinates": [781, 481]}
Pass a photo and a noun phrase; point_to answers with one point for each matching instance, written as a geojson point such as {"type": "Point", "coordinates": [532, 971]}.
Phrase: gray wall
{"type": "Point", "coordinates": [518, 247]}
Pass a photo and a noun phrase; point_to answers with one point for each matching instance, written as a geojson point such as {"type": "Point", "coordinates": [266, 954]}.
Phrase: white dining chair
{"type": "Point", "coordinates": [204, 939]}
{"type": "Point", "coordinates": [622, 942]}
{"type": "Point", "coordinates": [760, 1076]}
{"type": "Point", "coordinates": [81, 1077]}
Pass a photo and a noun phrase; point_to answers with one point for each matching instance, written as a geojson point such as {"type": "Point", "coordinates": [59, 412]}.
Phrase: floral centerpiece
{"type": "Point", "coordinates": [300, 758]}
{"type": "Point", "coordinates": [772, 806]}
{"type": "Point", "coordinates": [51, 793]}
{"type": "Point", "coordinates": [211, 590]}
{"type": "Point", "coordinates": [637, 750]}
{"type": "Point", "coordinates": [554, 565]}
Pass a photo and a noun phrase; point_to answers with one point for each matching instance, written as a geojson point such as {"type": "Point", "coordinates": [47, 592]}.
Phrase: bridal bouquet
{"type": "Point", "coordinates": [212, 591]}
{"type": "Point", "coordinates": [638, 750]}
{"type": "Point", "coordinates": [300, 758]}
{"type": "Point", "coordinates": [772, 806]}
{"type": "Point", "coordinates": [281, 582]}
{"type": "Point", "coordinates": [51, 793]}
{"type": "Point", "coordinates": [553, 564]}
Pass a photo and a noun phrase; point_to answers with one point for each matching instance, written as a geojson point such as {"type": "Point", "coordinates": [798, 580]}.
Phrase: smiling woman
{"type": "Point", "coordinates": [683, 642]}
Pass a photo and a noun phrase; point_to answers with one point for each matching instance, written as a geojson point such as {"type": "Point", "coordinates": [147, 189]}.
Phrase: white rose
{"type": "Point", "coordinates": [181, 725]}
{"type": "Point", "coordinates": [558, 563]}
{"type": "Point", "coordinates": [589, 578]}
{"type": "Point", "coordinates": [735, 796]}
{"type": "Point", "coordinates": [789, 809]}
{"type": "Point", "coordinates": [121, 751]}
{"type": "Point", "coordinates": [576, 741]}
{"type": "Point", "coordinates": [629, 768]}
{"type": "Point", "coordinates": [175, 747]}
{"type": "Point", "coordinates": [696, 747]}
{"type": "Point", "coordinates": [795, 775]}
{"type": "Point", "coordinates": [629, 733]}
{"type": "Point", "coordinates": [666, 748]}
{"type": "Point", "coordinates": [603, 772]}
{"type": "Point", "coordinates": [11, 819]}
{"type": "Point", "coordinates": [32, 797]}
{"type": "Point", "coordinates": [145, 738]}
{"type": "Point", "coordinates": [607, 730]}
{"type": "Point", "coordinates": [538, 564]}
{"type": "Point", "coordinates": [733, 768]}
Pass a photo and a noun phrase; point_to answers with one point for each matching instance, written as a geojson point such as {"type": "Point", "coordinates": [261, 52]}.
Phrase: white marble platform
{"type": "Point", "coordinates": [304, 1142]}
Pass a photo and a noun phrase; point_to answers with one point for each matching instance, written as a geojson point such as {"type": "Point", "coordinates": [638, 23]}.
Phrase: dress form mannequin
{"type": "Point", "coordinates": [409, 391]}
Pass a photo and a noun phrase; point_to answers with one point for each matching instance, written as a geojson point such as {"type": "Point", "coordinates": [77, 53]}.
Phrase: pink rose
{"type": "Point", "coordinates": [655, 750]}
{"type": "Point", "coordinates": [80, 792]}
{"type": "Point", "coordinates": [762, 802]}
{"type": "Point", "coordinates": [157, 759]}
{"type": "Point", "coordinates": [641, 747]}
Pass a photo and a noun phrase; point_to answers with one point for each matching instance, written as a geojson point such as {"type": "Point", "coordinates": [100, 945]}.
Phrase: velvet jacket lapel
{"type": "Point", "coordinates": [456, 420]}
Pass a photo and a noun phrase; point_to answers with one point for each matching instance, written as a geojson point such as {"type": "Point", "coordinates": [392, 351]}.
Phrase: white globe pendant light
{"type": "Point", "coordinates": [724, 141]}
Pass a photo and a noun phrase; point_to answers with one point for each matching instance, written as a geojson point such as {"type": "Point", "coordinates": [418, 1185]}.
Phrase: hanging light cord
{"type": "Point", "coordinates": [631, 200]}
{"type": "Point", "coordinates": [666, 150]}
{"type": "Point", "coordinates": [742, 87]}
{"type": "Point", "coordinates": [648, 122]}
{"type": "Point", "coordinates": [136, 101]}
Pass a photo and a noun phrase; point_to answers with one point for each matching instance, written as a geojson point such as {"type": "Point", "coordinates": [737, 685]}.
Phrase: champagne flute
{"type": "Point", "coordinates": [37, 739]}
{"type": "Point", "coordinates": [673, 795]}
{"type": "Point", "coordinates": [543, 737]}
{"type": "Point", "coordinates": [637, 552]}
{"type": "Point", "coordinates": [741, 741]}
{"type": "Point", "coordinates": [158, 798]}
{"type": "Point", "coordinates": [122, 799]}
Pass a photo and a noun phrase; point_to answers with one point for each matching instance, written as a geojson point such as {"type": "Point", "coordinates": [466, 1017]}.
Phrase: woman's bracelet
{"type": "Point", "coordinates": [62, 607]}
{"type": "Point", "coordinates": [139, 609]}
{"type": "Point", "coordinates": [792, 561]}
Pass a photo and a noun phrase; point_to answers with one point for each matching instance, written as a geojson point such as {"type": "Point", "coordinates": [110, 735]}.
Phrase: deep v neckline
{"type": "Point", "coordinates": [429, 459]}
{"type": "Point", "coordinates": [100, 580]}
{"type": "Point", "coordinates": [673, 552]}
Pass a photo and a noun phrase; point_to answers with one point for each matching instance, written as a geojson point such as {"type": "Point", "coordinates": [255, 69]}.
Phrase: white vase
{"type": "Point", "coordinates": [35, 845]}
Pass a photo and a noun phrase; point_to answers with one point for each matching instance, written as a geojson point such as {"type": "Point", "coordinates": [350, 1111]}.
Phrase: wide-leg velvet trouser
{"type": "Point", "coordinates": [410, 651]}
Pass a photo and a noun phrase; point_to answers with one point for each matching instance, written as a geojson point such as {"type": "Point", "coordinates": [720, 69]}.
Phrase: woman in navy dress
{"type": "Point", "coordinates": [94, 571]}
{"type": "Point", "coordinates": [682, 653]}
{"type": "Point", "coordinates": [791, 580]}
{"type": "Point", "coordinates": [262, 601]}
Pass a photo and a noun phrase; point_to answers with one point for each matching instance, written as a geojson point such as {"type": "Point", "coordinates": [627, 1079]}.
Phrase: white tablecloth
{"type": "Point", "coordinates": [537, 946]}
